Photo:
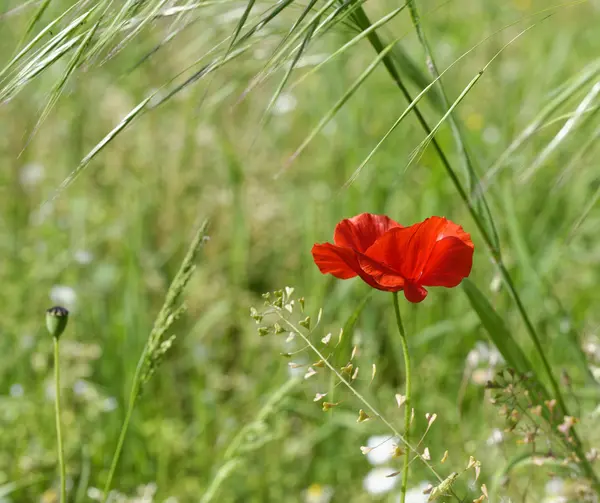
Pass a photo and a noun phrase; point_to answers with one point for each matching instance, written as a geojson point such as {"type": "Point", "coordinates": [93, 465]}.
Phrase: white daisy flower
{"type": "Point", "coordinates": [381, 448]}
{"type": "Point", "coordinates": [284, 104]}
{"type": "Point", "coordinates": [31, 174]}
{"type": "Point", "coordinates": [63, 295]}
{"type": "Point", "coordinates": [317, 493]}
{"type": "Point", "coordinates": [377, 482]}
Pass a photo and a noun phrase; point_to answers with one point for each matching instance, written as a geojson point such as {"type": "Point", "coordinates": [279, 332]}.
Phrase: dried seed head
{"type": "Point", "coordinates": [444, 457]}
{"type": "Point", "coordinates": [362, 416]}
{"type": "Point", "coordinates": [397, 452]}
{"type": "Point", "coordinates": [400, 399]}
{"type": "Point", "coordinates": [310, 372]}
{"type": "Point", "coordinates": [56, 320]}
{"type": "Point", "coordinates": [319, 396]}
{"type": "Point", "coordinates": [305, 323]}
{"type": "Point", "coordinates": [426, 454]}
{"type": "Point", "coordinates": [255, 315]}
{"type": "Point", "coordinates": [347, 369]}
{"type": "Point", "coordinates": [430, 419]}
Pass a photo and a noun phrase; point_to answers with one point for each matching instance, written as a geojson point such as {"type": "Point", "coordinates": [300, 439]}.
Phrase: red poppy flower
{"type": "Point", "coordinates": [387, 256]}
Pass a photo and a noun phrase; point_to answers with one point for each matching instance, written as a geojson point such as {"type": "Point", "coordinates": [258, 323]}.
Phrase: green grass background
{"type": "Point", "coordinates": [201, 154]}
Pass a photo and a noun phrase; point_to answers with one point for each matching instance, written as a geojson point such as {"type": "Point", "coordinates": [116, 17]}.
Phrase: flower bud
{"type": "Point", "coordinates": [56, 320]}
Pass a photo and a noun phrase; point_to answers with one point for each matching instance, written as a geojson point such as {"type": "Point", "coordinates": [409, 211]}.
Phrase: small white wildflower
{"type": "Point", "coordinates": [482, 376]}
{"type": "Point", "coordinates": [80, 387]}
{"type": "Point", "coordinates": [496, 283]}
{"type": "Point", "coordinates": [94, 493]}
{"type": "Point", "coordinates": [16, 390]}
{"type": "Point", "coordinates": [284, 104]}
{"type": "Point", "coordinates": [415, 494]}
{"type": "Point", "coordinates": [318, 493]}
{"type": "Point", "coordinates": [377, 482]}
{"type": "Point", "coordinates": [109, 404]}
{"type": "Point", "coordinates": [565, 325]}
{"type": "Point", "coordinates": [381, 449]}
{"type": "Point", "coordinates": [495, 438]}
{"type": "Point", "coordinates": [63, 296]}
{"type": "Point", "coordinates": [555, 490]}
{"type": "Point", "coordinates": [31, 175]}
{"type": "Point", "coordinates": [473, 358]}
{"type": "Point", "coordinates": [50, 392]}
{"type": "Point", "coordinates": [495, 357]}
{"type": "Point", "coordinates": [83, 257]}
{"type": "Point", "coordinates": [491, 135]}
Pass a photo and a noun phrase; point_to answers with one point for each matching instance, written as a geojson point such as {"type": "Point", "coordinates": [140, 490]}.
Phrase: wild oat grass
{"type": "Point", "coordinates": [122, 122]}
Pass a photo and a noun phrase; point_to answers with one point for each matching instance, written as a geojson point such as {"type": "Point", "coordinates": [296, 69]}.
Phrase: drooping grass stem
{"type": "Point", "coordinates": [407, 402]}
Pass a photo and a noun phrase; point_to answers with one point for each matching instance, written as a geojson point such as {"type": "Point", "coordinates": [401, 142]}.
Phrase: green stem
{"type": "Point", "coordinates": [133, 395]}
{"type": "Point", "coordinates": [407, 403]}
{"type": "Point", "coordinates": [59, 439]}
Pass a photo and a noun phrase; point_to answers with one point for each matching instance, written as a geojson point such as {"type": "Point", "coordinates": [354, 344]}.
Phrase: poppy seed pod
{"type": "Point", "coordinates": [56, 320]}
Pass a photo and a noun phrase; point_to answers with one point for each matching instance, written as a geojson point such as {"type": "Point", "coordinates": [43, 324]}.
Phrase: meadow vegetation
{"type": "Point", "coordinates": [125, 126]}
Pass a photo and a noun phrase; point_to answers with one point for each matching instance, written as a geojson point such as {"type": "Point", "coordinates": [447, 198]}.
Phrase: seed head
{"type": "Point", "coordinates": [56, 320]}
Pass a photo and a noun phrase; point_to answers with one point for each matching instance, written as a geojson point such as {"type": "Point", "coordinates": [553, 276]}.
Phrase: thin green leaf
{"type": "Point", "coordinates": [105, 141]}
{"type": "Point", "coordinates": [340, 103]}
{"type": "Point", "coordinates": [576, 84]}
{"type": "Point", "coordinates": [35, 18]}
{"type": "Point", "coordinates": [568, 127]}
{"type": "Point", "coordinates": [350, 43]}
{"type": "Point", "coordinates": [496, 329]}
{"type": "Point", "coordinates": [59, 86]}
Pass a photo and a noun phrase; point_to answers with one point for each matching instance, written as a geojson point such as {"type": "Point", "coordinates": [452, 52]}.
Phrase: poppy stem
{"type": "Point", "coordinates": [59, 439]}
{"type": "Point", "coordinates": [407, 402]}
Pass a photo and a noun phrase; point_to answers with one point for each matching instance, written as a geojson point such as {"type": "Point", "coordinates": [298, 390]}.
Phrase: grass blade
{"type": "Point", "coordinates": [340, 103]}
{"type": "Point", "coordinates": [495, 327]}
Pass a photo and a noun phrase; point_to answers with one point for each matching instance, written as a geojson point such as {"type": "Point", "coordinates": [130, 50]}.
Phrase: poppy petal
{"type": "Point", "coordinates": [335, 260]}
{"type": "Point", "coordinates": [409, 250]}
{"type": "Point", "coordinates": [386, 278]}
{"type": "Point", "coordinates": [362, 231]}
{"type": "Point", "coordinates": [340, 262]}
{"type": "Point", "coordinates": [450, 261]}
{"type": "Point", "coordinates": [414, 293]}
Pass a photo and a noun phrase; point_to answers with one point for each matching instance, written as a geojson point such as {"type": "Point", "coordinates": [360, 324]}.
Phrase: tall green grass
{"type": "Point", "coordinates": [123, 122]}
